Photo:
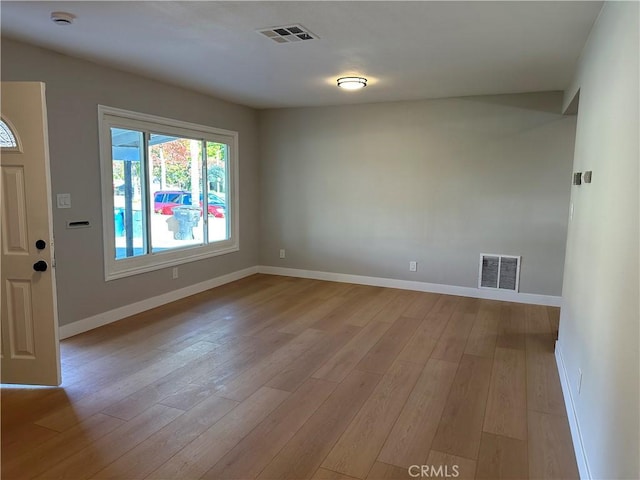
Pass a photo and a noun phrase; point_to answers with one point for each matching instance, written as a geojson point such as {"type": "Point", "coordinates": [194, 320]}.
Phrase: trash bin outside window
{"type": "Point", "coordinates": [187, 218]}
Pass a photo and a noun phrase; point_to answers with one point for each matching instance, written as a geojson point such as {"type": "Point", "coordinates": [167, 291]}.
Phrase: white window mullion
{"type": "Point", "coordinates": [205, 193]}
{"type": "Point", "coordinates": [145, 169]}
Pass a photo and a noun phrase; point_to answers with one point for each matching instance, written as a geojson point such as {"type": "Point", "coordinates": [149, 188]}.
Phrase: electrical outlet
{"type": "Point", "coordinates": [175, 272]}
{"type": "Point", "coordinates": [413, 266]}
{"type": "Point", "coordinates": [282, 253]}
{"type": "Point", "coordinates": [579, 380]}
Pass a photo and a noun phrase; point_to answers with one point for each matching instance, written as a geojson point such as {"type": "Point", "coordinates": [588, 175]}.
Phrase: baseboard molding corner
{"type": "Point", "coordinates": [518, 297]}
{"type": "Point", "coordinates": [95, 321]}
{"type": "Point", "coordinates": [574, 426]}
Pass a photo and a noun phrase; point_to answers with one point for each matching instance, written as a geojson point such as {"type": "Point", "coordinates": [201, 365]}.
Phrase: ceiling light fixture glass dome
{"type": "Point", "coordinates": [62, 18]}
{"type": "Point", "coordinates": [352, 83]}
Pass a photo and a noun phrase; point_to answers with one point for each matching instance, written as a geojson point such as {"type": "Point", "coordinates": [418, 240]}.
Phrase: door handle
{"type": "Point", "coordinates": [40, 266]}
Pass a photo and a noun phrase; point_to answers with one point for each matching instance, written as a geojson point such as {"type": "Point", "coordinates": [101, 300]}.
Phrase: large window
{"type": "Point", "coordinates": [169, 191]}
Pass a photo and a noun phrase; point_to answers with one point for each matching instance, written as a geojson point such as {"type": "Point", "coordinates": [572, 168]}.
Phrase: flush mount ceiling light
{"type": "Point", "coordinates": [62, 18]}
{"type": "Point", "coordinates": [352, 83]}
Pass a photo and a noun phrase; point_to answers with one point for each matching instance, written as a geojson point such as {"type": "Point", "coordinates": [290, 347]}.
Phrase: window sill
{"type": "Point", "coordinates": [150, 263]}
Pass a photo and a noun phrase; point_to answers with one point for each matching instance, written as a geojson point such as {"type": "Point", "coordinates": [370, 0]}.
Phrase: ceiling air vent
{"type": "Point", "coordinates": [287, 34]}
{"type": "Point", "coordinates": [499, 271]}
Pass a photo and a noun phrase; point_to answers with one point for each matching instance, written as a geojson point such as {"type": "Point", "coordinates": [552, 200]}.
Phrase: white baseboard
{"type": "Point", "coordinates": [116, 314]}
{"type": "Point", "coordinates": [518, 297]}
{"type": "Point", "coordinates": [576, 436]}
{"type": "Point", "coordinates": [119, 313]}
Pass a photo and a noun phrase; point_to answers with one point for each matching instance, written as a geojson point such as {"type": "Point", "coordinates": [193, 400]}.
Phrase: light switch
{"type": "Point", "coordinates": [64, 200]}
{"type": "Point", "coordinates": [577, 178]}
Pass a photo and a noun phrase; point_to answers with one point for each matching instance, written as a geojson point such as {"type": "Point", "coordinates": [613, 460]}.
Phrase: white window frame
{"type": "Point", "coordinates": [109, 117]}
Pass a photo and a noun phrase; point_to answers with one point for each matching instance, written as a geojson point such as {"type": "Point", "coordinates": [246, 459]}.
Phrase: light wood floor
{"type": "Point", "coordinates": [274, 377]}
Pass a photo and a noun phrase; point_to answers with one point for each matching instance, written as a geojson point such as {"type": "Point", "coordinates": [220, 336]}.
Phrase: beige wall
{"type": "Point", "coordinates": [74, 90]}
{"type": "Point", "coordinates": [354, 189]}
{"type": "Point", "coordinates": [365, 189]}
{"type": "Point", "coordinates": [599, 326]}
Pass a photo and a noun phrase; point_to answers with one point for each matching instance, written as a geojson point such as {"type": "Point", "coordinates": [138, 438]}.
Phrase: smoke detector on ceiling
{"type": "Point", "coordinates": [62, 18]}
{"type": "Point", "coordinates": [288, 33]}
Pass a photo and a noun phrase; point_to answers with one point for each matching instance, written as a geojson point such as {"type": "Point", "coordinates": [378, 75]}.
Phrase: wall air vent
{"type": "Point", "coordinates": [287, 34]}
{"type": "Point", "coordinates": [499, 271]}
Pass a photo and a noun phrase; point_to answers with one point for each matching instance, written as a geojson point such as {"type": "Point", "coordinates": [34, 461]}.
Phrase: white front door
{"type": "Point", "coordinates": [30, 349]}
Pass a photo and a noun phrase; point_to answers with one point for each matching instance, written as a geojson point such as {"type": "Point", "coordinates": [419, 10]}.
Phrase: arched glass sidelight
{"type": "Point", "coordinates": [7, 138]}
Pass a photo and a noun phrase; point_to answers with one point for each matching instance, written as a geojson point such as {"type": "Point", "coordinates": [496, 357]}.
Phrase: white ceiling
{"type": "Point", "coordinates": [408, 50]}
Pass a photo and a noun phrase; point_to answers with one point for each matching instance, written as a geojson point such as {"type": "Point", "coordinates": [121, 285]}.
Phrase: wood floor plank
{"type": "Point", "coordinates": [332, 289]}
{"type": "Point", "coordinates": [420, 347]}
{"type": "Point", "coordinates": [197, 457]}
{"type": "Point", "coordinates": [506, 412]}
{"type": "Point", "coordinates": [188, 397]}
{"type": "Point", "coordinates": [104, 377]}
{"type": "Point", "coordinates": [357, 449]}
{"type": "Point", "coordinates": [324, 474]}
{"type": "Point", "coordinates": [312, 316]}
{"type": "Point", "coordinates": [199, 331]}
{"type": "Point", "coordinates": [364, 315]}
{"type": "Point", "coordinates": [262, 347]}
{"type": "Point", "coordinates": [303, 454]}
{"type": "Point", "coordinates": [443, 465]}
{"type": "Point", "coordinates": [270, 313]}
{"type": "Point", "coordinates": [181, 330]}
{"type": "Point", "coordinates": [295, 373]}
{"type": "Point", "coordinates": [421, 306]}
{"type": "Point", "coordinates": [452, 342]}
{"type": "Point", "coordinates": [176, 389]}
{"type": "Point", "coordinates": [139, 395]}
{"type": "Point", "coordinates": [245, 384]}
{"type": "Point", "coordinates": [554, 319]}
{"type": "Point", "coordinates": [512, 326]}
{"type": "Point", "coordinates": [120, 356]}
{"type": "Point", "coordinates": [383, 471]}
{"type": "Point", "coordinates": [380, 357]}
{"type": "Point", "coordinates": [436, 320]}
{"type": "Point", "coordinates": [36, 460]}
{"type": "Point", "coordinates": [460, 427]}
{"type": "Point", "coordinates": [25, 436]}
{"type": "Point", "coordinates": [80, 357]}
{"type": "Point", "coordinates": [13, 396]}
{"type": "Point", "coordinates": [550, 448]}
{"type": "Point", "coordinates": [502, 458]}
{"type": "Point", "coordinates": [71, 415]}
{"type": "Point", "coordinates": [287, 315]}
{"type": "Point", "coordinates": [144, 325]}
{"type": "Point", "coordinates": [410, 439]}
{"type": "Point", "coordinates": [351, 308]}
{"type": "Point", "coordinates": [92, 459]}
{"type": "Point", "coordinates": [544, 393]}
{"type": "Point", "coordinates": [75, 385]}
{"type": "Point", "coordinates": [248, 310]}
{"type": "Point", "coordinates": [537, 320]}
{"type": "Point", "coordinates": [249, 457]}
{"type": "Point", "coordinates": [339, 366]}
{"type": "Point", "coordinates": [162, 445]}
{"type": "Point", "coordinates": [483, 336]}
{"type": "Point", "coordinates": [395, 308]}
